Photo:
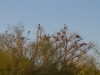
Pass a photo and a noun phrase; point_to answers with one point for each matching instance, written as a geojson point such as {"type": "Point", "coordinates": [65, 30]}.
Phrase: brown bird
{"type": "Point", "coordinates": [22, 38]}
{"type": "Point", "coordinates": [58, 33]}
{"type": "Point", "coordinates": [77, 36]}
{"type": "Point", "coordinates": [64, 32]}
{"type": "Point", "coordinates": [62, 37]}
{"type": "Point", "coordinates": [83, 44]}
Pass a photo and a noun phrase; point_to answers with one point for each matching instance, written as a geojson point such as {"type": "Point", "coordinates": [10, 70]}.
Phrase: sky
{"type": "Point", "coordinates": [82, 16]}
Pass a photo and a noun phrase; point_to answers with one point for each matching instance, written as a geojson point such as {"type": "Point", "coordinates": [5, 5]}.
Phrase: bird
{"type": "Point", "coordinates": [62, 37]}
{"type": "Point", "coordinates": [83, 44]}
{"type": "Point", "coordinates": [22, 38]}
{"type": "Point", "coordinates": [22, 26]}
{"type": "Point", "coordinates": [65, 27]}
{"type": "Point", "coordinates": [58, 33]}
{"type": "Point", "coordinates": [28, 32]}
{"type": "Point", "coordinates": [6, 31]}
{"type": "Point", "coordinates": [77, 36]}
{"type": "Point", "coordinates": [39, 25]}
{"type": "Point", "coordinates": [64, 32]}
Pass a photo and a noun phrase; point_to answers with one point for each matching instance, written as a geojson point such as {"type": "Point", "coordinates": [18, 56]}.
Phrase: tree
{"type": "Point", "coordinates": [58, 51]}
{"type": "Point", "coordinates": [55, 54]}
{"type": "Point", "coordinates": [13, 56]}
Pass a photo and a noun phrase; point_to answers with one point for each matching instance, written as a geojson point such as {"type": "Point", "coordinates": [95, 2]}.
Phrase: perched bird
{"type": "Point", "coordinates": [22, 26]}
{"type": "Point", "coordinates": [58, 33]}
{"type": "Point", "coordinates": [65, 27]}
{"type": "Point", "coordinates": [83, 44]}
{"type": "Point", "coordinates": [77, 36]}
{"type": "Point", "coordinates": [6, 31]}
{"type": "Point", "coordinates": [22, 38]}
{"type": "Point", "coordinates": [28, 32]}
{"type": "Point", "coordinates": [62, 37]}
{"type": "Point", "coordinates": [64, 32]}
{"type": "Point", "coordinates": [39, 25]}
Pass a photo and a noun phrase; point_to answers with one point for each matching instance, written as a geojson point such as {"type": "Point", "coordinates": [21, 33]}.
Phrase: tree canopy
{"type": "Point", "coordinates": [61, 53]}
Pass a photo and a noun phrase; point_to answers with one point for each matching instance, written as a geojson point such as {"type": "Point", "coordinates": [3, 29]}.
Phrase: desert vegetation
{"type": "Point", "coordinates": [61, 53]}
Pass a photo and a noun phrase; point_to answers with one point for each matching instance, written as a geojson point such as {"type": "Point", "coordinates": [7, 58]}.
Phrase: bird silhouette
{"type": "Point", "coordinates": [22, 26]}
{"type": "Point", "coordinates": [65, 27]}
{"type": "Point", "coordinates": [28, 32]}
{"type": "Point", "coordinates": [6, 31]}
{"type": "Point", "coordinates": [39, 25]}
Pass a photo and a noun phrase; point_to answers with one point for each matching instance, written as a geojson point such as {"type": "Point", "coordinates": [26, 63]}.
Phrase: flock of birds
{"type": "Point", "coordinates": [58, 33]}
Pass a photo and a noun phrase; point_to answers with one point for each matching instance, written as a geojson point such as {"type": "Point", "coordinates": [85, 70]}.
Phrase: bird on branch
{"type": "Point", "coordinates": [28, 32]}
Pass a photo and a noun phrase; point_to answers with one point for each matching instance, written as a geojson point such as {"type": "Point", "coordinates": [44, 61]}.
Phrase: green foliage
{"type": "Point", "coordinates": [11, 65]}
{"type": "Point", "coordinates": [88, 67]}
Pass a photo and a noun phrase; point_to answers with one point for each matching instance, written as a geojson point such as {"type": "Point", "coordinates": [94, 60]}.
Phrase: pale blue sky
{"type": "Point", "coordinates": [82, 16]}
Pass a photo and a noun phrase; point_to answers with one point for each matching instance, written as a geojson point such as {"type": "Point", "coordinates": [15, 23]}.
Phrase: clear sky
{"type": "Point", "coordinates": [82, 16]}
